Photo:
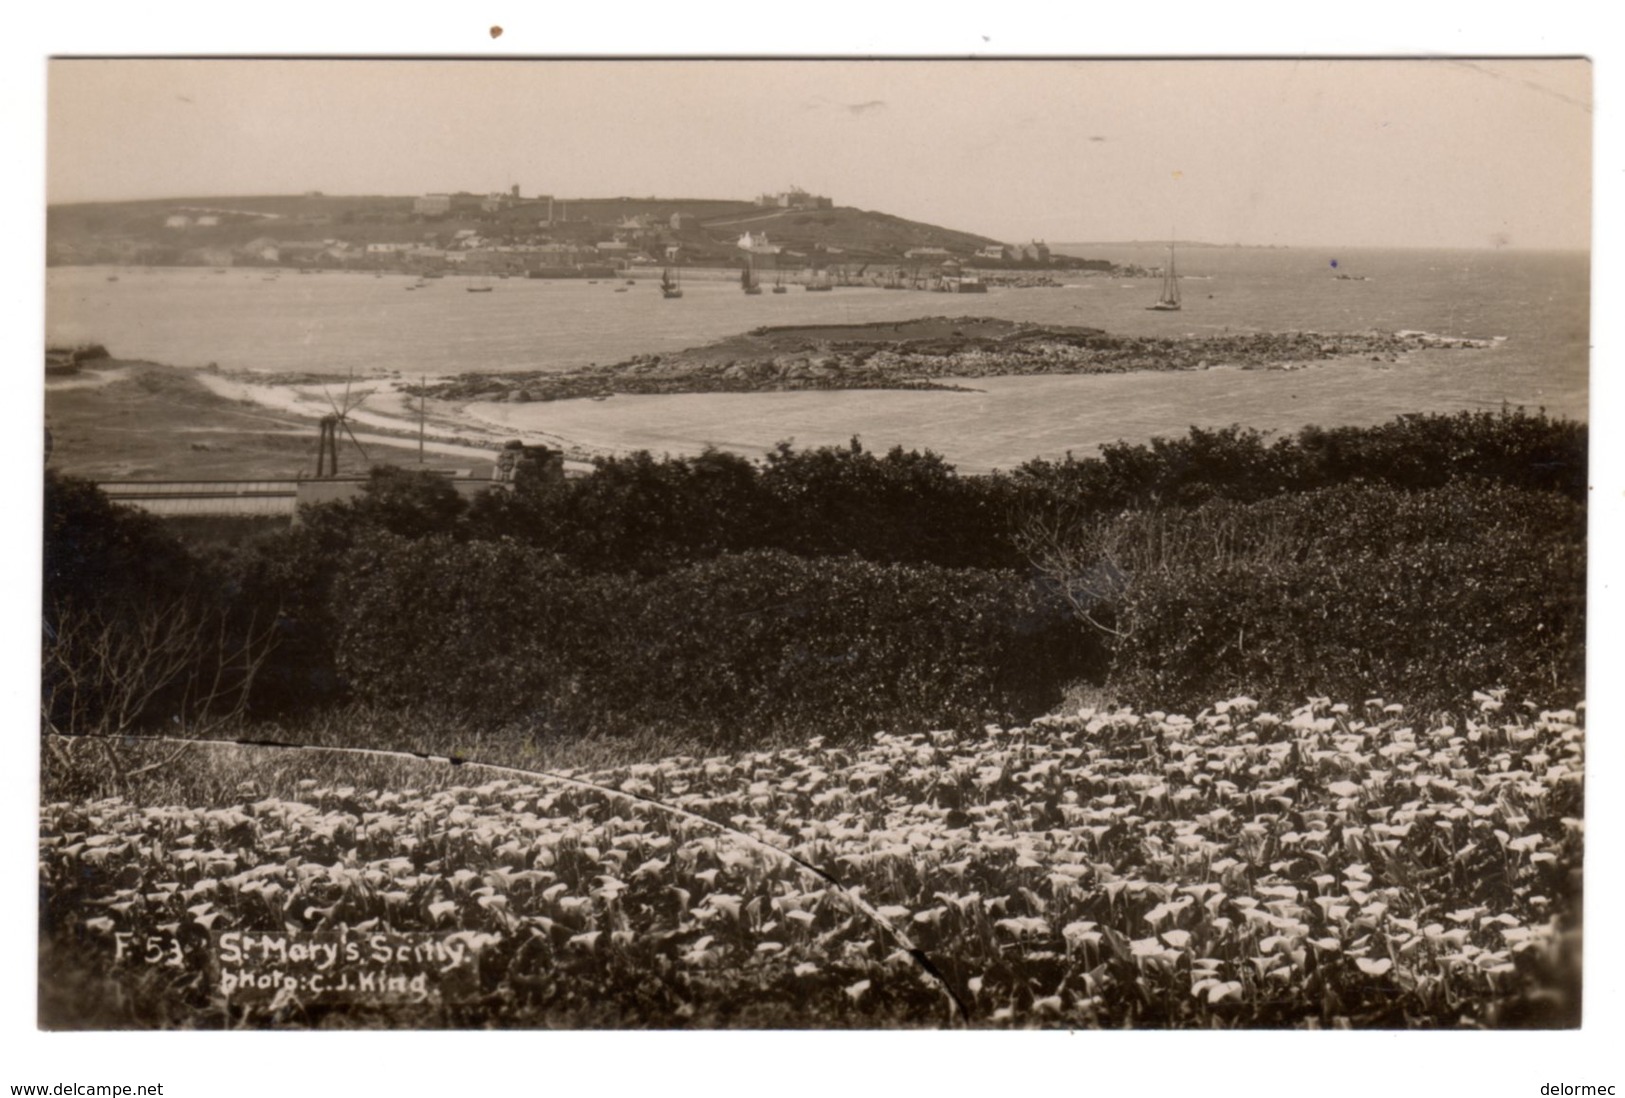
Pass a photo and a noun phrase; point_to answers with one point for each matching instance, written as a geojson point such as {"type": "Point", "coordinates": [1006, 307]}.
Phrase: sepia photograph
{"type": "Point", "coordinates": [821, 543]}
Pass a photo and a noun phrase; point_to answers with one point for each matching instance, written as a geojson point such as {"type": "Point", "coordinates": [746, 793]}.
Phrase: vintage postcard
{"type": "Point", "coordinates": [815, 544]}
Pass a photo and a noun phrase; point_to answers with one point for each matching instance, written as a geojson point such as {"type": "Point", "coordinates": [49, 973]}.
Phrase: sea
{"type": "Point", "coordinates": [1529, 310]}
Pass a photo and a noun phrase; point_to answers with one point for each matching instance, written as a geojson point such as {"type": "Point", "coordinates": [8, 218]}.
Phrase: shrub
{"type": "Point", "coordinates": [639, 514]}
{"type": "Point", "coordinates": [1440, 551]}
{"type": "Point", "coordinates": [771, 639]}
{"type": "Point", "coordinates": [646, 515]}
{"type": "Point", "coordinates": [408, 502]}
{"type": "Point", "coordinates": [492, 629]}
{"type": "Point", "coordinates": [1511, 447]}
{"type": "Point", "coordinates": [96, 549]}
{"type": "Point", "coordinates": [746, 644]}
{"type": "Point", "coordinates": [906, 507]}
{"type": "Point", "coordinates": [137, 631]}
{"type": "Point", "coordinates": [1352, 591]}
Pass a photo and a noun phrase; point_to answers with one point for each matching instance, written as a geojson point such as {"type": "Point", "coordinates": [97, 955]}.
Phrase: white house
{"type": "Point", "coordinates": [757, 243]}
{"type": "Point", "coordinates": [263, 248]}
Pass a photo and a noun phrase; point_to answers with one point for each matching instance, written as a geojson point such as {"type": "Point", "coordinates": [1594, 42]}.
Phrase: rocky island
{"type": "Point", "coordinates": [927, 353]}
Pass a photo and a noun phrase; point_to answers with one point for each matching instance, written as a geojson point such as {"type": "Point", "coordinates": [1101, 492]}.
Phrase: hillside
{"type": "Point", "coordinates": [336, 230]}
{"type": "Point", "coordinates": [862, 233]}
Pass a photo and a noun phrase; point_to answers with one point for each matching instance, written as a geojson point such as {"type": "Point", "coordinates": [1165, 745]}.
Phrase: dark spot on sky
{"type": "Point", "coordinates": [496, 32]}
{"type": "Point", "coordinates": [184, 98]}
{"type": "Point", "coordinates": [1097, 138]}
{"type": "Point", "coordinates": [866, 107]}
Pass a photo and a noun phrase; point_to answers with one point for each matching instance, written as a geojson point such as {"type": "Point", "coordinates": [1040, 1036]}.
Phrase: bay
{"type": "Point", "coordinates": [1532, 307]}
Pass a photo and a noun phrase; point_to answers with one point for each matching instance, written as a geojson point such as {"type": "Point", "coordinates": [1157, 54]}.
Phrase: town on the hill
{"type": "Point", "coordinates": [508, 233]}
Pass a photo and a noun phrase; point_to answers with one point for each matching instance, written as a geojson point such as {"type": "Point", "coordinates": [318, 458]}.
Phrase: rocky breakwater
{"type": "Point", "coordinates": [929, 353]}
{"type": "Point", "coordinates": [67, 361]}
{"type": "Point", "coordinates": [1020, 280]}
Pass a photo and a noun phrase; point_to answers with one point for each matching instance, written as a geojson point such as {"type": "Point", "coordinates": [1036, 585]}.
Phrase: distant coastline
{"type": "Point", "coordinates": [506, 232]}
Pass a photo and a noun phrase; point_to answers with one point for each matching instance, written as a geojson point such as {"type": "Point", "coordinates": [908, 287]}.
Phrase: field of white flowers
{"type": "Point", "coordinates": [1334, 866]}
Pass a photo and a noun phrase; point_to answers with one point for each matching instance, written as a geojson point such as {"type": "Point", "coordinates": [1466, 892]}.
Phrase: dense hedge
{"type": "Point", "coordinates": [136, 630]}
{"type": "Point", "coordinates": [751, 642]}
{"type": "Point", "coordinates": [491, 629]}
{"type": "Point", "coordinates": [647, 515]}
{"type": "Point", "coordinates": [94, 549]}
{"type": "Point", "coordinates": [772, 639]}
{"type": "Point", "coordinates": [1356, 591]}
{"type": "Point", "coordinates": [841, 589]}
{"type": "Point", "coordinates": [1512, 447]}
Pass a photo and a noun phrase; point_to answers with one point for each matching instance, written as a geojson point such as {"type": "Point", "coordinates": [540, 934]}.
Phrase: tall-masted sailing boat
{"type": "Point", "coordinates": [668, 286]}
{"type": "Point", "coordinates": [747, 278]}
{"type": "Point", "coordinates": [1169, 301]}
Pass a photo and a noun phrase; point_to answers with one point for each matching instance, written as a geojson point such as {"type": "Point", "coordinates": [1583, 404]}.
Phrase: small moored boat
{"type": "Point", "coordinates": [1169, 301]}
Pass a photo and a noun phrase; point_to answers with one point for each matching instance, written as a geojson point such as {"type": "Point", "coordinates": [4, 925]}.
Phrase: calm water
{"type": "Point", "coordinates": [334, 323]}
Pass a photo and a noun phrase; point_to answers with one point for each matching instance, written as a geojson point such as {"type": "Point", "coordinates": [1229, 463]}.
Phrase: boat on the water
{"type": "Point", "coordinates": [747, 278]}
{"type": "Point", "coordinates": [669, 287]}
{"type": "Point", "coordinates": [820, 280]}
{"type": "Point", "coordinates": [778, 284]}
{"type": "Point", "coordinates": [1169, 301]}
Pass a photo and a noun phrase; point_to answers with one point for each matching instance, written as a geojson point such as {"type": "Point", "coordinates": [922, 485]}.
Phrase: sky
{"type": "Point", "coordinates": [1426, 153]}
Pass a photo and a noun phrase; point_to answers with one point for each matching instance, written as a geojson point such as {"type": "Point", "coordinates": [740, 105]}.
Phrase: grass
{"type": "Point", "coordinates": [154, 422]}
{"type": "Point", "coordinates": [140, 769]}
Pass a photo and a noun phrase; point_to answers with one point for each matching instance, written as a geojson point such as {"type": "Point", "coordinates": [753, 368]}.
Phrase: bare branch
{"type": "Point", "coordinates": [105, 668]}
